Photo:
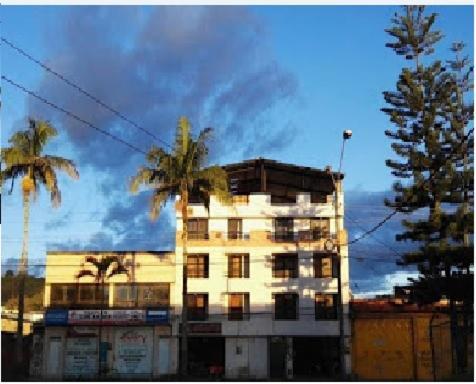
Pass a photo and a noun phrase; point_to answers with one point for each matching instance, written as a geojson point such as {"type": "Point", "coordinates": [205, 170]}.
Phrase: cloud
{"type": "Point", "coordinates": [385, 284]}
{"type": "Point", "coordinates": [212, 64]}
{"type": "Point", "coordinates": [373, 259]}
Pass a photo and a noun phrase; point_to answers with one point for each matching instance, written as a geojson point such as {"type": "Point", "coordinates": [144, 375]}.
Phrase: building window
{"type": "Point", "coordinates": [284, 229]}
{"type": "Point", "coordinates": [156, 295]}
{"type": "Point", "coordinates": [197, 266]}
{"type": "Point", "coordinates": [198, 229]}
{"type": "Point", "coordinates": [93, 294]}
{"type": "Point", "coordinates": [239, 265]}
{"type": "Point", "coordinates": [286, 306]}
{"type": "Point", "coordinates": [141, 295]}
{"type": "Point", "coordinates": [197, 306]}
{"type": "Point", "coordinates": [235, 229]}
{"type": "Point", "coordinates": [326, 306]}
{"type": "Point", "coordinates": [325, 265]}
{"type": "Point", "coordinates": [238, 306]}
{"type": "Point", "coordinates": [63, 294]}
{"type": "Point", "coordinates": [319, 228]}
{"type": "Point", "coordinates": [285, 265]}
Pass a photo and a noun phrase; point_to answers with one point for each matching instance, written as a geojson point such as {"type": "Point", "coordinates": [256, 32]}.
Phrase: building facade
{"type": "Point", "coordinates": [108, 326]}
{"type": "Point", "coordinates": [262, 275]}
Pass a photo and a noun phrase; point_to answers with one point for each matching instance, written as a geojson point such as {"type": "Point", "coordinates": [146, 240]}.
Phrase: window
{"type": "Point", "coordinates": [326, 306]}
{"type": "Point", "coordinates": [153, 295]}
{"type": "Point", "coordinates": [239, 265]}
{"type": "Point", "coordinates": [197, 306]}
{"type": "Point", "coordinates": [197, 266]}
{"type": "Point", "coordinates": [235, 229]}
{"type": "Point", "coordinates": [325, 265]}
{"type": "Point", "coordinates": [141, 295]}
{"type": "Point", "coordinates": [286, 306]}
{"type": "Point", "coordinates": [63, 294]}
{"type": "Point", "coordinates": [238, 306]}
{"type": "Point", "coordinates": [285, 265]}
{"type": "Point", "coordinates": [284, 229]}
{"type": "Point", "coordinates": [93, 294]}
{"type": "Point", "coordinates": [319, 228]}
{"type": "Point", "coordinates": [198, 229]}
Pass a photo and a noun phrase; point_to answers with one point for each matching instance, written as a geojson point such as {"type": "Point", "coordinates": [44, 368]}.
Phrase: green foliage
{"type": "Point", "coordinates": [432, 139]}
{"type": "Point", "coordinates": [181, 171]}
{"type": "Point", "coordinates": [25, 157]}
{"type": "Point", "coordinates": [34, 288]}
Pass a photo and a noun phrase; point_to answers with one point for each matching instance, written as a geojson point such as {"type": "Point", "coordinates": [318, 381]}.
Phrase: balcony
{"type": "Point", "coordinates": [284, 236]}
{"type": "Point", "coordinates": [198, 236]}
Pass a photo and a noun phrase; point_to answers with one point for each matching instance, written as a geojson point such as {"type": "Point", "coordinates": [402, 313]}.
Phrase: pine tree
{"type": "Point", "coordinates": [431, 139]}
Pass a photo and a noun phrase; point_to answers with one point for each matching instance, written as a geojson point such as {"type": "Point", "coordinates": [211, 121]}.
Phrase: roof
{"type": "Point", "coordinates": [281, 180]}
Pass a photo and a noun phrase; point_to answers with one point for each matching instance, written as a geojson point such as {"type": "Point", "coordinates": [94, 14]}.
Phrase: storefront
{"type": "Point", "coordinates": [88, 344]}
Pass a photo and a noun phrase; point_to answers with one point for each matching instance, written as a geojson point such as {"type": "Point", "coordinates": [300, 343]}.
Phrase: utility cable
{"type": "Point", "coordinates": [81, 90]}
{"type": "Point", "coordinates": [72, 115]}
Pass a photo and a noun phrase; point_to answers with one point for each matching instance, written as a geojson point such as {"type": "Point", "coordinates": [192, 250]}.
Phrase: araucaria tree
{"type": "Point", "coordinates": [432, 138]}
{"type": "Point", "coordinates": [182, 172]}
{"type": "Point", "coordinates": [25, 159]}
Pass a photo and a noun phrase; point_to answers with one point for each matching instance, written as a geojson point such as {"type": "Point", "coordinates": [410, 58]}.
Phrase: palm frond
{"type": "Point", "coordinates": [85, 272]}
{"type": "Point", "coordinates": [61, 164]}
{"type": "Point", "coordinates": [143, 177]}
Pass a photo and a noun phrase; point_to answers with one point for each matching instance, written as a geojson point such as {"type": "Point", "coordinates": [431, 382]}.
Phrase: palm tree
{"type": "Point", "coordinates": [180, 173]}
{"type": "Point", "coordinates": [102, 266]}
{"type": "Point", "coordinates": [24, 158]}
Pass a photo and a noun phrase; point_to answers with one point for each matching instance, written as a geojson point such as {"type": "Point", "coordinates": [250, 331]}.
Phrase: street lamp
{"type": "Point", "coordinates": [346, 135]}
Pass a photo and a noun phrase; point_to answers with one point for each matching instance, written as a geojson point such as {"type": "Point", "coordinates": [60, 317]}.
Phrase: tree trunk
{"type": "Point", "coordinates": [184, 339]}
{"type": "Point", "coordinates": [22, 271]}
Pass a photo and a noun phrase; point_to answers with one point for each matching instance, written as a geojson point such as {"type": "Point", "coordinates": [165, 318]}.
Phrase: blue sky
{"type": "Point", "coordinates": [274, 81]}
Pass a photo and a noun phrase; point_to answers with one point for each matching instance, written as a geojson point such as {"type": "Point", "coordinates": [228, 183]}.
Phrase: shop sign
{"type": "Point", "coordinates": [108, 317]}
{"type": "Point", "coordinates": [81, 356]}
{"type": "Point", "coordinates": [133, 351]}
{"type": "Point", "coordinates": [204, 328]}
{"type": "Point", "coordinates": [157, 316]}
{"type": "Point", "coordinates": [84, 316]}
{"type": "Point", "coordinates": [56, 317]}
{"type": "Point", "coordinates": [123, 316]}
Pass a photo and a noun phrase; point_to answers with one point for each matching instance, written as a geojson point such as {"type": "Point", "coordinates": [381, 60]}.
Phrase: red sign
{"type": "Point", "coordinates": [204, 328]}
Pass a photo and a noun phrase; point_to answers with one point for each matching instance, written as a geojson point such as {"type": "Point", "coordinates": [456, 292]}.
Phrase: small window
{"type": "Point", "coordinates": [239, 265]}
{"type": "Point", "coordinates": [238, 306]}
{"type": "Point", "coordinates": [326, 306]}
{"type": "Point", "coordinates": [286, 306]}
{"type": "Point", "coordinates": [197, 306]}
{"type": "Point", "coordinates": [325, 265]}
{"type": "Point", "coordinates": [153, 295]}
{"type": "Point", "coordinates": [235, 229]}
{"type": "Point", "coordinates": [197, 229]}
{"type": "Point", "coordinates": [197, 266]}
{"type": "Point", "coordinates": [285, 265]}
{"type": "Point", "coordinates": [93, 294]}
{"type": "Point", "coordinates": [319, 228]}
{"type": "Point", "coordinates": [284, 229]}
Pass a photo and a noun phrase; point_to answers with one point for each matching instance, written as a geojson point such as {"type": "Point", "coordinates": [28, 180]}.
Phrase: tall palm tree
{"type": "Point", "coordinates": [114, 265]}
{"type": "Point", "coordinates": [180, 173]}
{"type": "Point", "coordinates": [24, 158]}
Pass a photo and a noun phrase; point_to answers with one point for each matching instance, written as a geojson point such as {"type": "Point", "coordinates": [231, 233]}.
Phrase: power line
{"type": "Point", "coordinates": [72, 115]}
{"type": "Point", "coordinates": [81, 90]}
{"type": "Point", "coordinates": [382, 222]}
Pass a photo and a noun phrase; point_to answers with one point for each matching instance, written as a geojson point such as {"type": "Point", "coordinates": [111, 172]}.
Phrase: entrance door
{"type": "Point", "coordinates": [277, 358]}
{"type": "Point", "coordinates": [54, 356]}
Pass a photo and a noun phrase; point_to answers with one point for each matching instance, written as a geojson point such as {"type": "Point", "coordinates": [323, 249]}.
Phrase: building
{"type": "Point", "coordinates": [262, 275]}
{"type": "Point", "coordinates": [262, 289]}
{"type": "Point", "coordinates": [130, 315]}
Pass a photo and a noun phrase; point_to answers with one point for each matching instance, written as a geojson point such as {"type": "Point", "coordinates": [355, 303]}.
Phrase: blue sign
{"type": "Point", "coordinates": [56, 317]}
{"type": "Point", "coordinates": [157, 316]}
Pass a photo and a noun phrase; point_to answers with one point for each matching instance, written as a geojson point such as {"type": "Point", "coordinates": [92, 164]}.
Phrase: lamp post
{"type": "Point", "coordinates": [347, 134]}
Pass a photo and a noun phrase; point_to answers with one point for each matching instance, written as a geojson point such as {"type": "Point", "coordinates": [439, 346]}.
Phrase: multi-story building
{"type": "Point", "coordinates": [110, 326]}
{"type": "Point", "coordinates": [262, 274]}
{"type": "Point", "coordinates": [262, 289]}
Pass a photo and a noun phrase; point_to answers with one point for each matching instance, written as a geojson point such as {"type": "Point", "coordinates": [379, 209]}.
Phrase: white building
{"type": "Point", "coordinates": [262, 287]}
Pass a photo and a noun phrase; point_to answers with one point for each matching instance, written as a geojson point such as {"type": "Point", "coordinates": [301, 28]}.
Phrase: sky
{"type": "Point", "coordinates": [278, 82]}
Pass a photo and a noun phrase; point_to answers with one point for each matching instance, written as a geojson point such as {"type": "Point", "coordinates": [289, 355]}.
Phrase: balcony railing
{"type": "Point", "coordinates": [198, 236]}
{"type": "Point", "coordinates": [284, 236]}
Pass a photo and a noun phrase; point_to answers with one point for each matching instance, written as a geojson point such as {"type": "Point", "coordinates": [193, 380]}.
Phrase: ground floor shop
{"type": "Point", "coordinates": [91, 352]}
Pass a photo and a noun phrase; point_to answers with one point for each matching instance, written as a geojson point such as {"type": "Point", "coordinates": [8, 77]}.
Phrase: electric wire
{"type": "Point", "coordinates": [82, 91]}
{"type": "Point", "coordinates": [72, 115]}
